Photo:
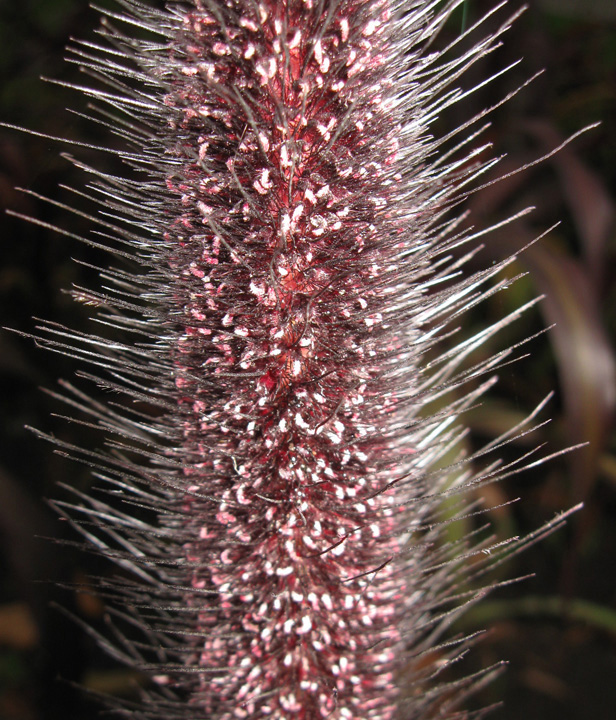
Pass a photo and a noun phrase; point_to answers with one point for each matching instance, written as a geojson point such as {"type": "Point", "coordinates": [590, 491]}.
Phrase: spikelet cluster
{"type": "Point", "coordinates": [286, 220]}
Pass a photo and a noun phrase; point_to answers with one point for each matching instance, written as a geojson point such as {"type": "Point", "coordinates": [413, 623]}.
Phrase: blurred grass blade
{"type": "Point", "coordinates": [592, 208]}
{"type": "Point", "coordinates": [592, 614]}
{"type": "Point", "coordinates": [585, 357]}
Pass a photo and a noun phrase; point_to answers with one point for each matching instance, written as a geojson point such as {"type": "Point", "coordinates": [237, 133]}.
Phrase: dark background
{"type": "Point", "coordinates": [557, 630]}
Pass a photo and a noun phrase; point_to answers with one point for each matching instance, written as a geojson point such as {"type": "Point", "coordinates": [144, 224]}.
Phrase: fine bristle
{"type": "Point", "coordinates": [287, 386]}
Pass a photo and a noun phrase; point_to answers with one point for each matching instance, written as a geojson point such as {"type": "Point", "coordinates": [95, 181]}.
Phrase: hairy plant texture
{"type": "Point", "coordinates": [286, 219]}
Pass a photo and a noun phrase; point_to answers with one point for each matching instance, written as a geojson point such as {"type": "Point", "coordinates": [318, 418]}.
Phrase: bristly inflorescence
{"type": "Point", "coordinates": [287, 214]}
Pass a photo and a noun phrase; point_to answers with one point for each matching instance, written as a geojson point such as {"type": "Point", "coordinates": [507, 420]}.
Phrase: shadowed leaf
{"type": "Point", "coordinates": [588, 200]}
